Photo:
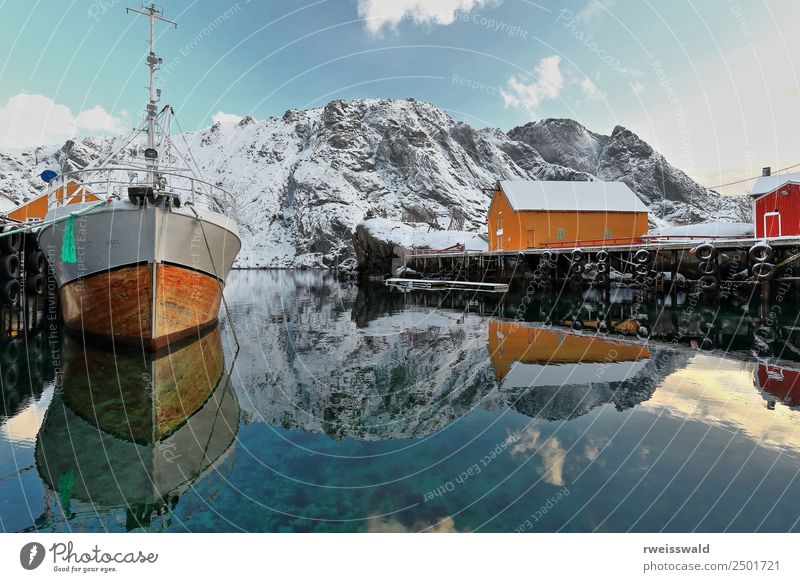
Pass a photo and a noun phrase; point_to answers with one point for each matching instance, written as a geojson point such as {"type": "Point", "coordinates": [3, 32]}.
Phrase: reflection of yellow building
{"type": "Point", "coordinates": [525, 355]}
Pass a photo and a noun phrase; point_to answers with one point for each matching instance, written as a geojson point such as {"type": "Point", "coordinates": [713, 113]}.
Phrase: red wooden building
{"type": "Point", "coordinates": [776, 201]}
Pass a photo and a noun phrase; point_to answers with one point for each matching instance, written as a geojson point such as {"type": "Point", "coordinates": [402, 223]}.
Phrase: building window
{"type": "Point", "coordinates": [560, 234]}
{"type": "Point", "coordinates": [499, 221]}
{"type": "Point", "coordinates": [607, 233]}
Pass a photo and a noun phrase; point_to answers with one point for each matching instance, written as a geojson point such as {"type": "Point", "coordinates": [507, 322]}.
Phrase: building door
{"type": "Point", "coordinates": [531, 239]}
{"type": "Point", "coordinates": [499, 233]}
{"type": "Point", "coordinates": [772, 224]}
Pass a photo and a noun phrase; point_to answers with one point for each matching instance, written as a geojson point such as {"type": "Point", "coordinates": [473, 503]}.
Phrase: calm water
{"type": "Point", "coordinates": [360, 409]}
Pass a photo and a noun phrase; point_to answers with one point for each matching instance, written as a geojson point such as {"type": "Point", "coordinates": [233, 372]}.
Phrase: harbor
{"type": "Point", "coordinates": [372, 267]}
{"type": "Point", "coordinates": [422, 373]}
{"type": "Point", "coordinates": [706, 262]}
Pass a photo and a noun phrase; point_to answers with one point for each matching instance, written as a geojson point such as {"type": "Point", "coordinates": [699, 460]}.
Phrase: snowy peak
{"type": "Point", "coordinates": [563, 141]}
{"type": "Point", "coordinates": [623, 156]}
{"type": "Point", "coordinates": [305, 180]}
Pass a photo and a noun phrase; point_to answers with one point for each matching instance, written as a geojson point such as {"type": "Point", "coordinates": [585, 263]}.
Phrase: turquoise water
{"type": "Point", "coordinates": [352, 408]}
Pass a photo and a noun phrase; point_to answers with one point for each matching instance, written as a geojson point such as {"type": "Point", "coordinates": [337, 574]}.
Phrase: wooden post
{"type": "Point", "coordinates": [673, 290]}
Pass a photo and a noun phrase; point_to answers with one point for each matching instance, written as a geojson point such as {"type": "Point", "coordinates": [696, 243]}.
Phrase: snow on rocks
{"type": "Point", "coordinates": [305, 181]}
{"type": "Point", "coordinates": [417, 235]}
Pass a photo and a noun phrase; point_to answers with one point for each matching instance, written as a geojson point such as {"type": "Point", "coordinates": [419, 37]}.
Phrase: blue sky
{"type": "Point", "coordinates": [710, 84]}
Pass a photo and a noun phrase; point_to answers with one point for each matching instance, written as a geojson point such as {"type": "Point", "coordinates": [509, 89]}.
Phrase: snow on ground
{"type": "Point", "coordinates": [715, 229]}
{"type": "Point", "coordinates": [420, 236]}
{"type": "Point", "coordinates": [6, 204]}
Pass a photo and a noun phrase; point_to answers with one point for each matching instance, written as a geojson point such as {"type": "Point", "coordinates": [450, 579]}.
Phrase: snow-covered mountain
{"type": "Point", "coordinates": [672, 196]}
{"type": "Point", "coordinates": [304, 181]}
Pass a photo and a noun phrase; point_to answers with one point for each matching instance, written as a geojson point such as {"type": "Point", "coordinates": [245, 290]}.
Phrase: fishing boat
{"type": "Point", "coordinates": [140, 244]}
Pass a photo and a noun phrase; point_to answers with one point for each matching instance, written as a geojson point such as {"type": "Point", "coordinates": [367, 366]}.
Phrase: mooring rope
{"type": "Point", "coordinates": [35, 225]}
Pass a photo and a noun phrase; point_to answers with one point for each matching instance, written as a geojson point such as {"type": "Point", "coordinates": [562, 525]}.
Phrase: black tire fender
{"type": "Point", "coordinates": [9, 266]}
{"type": "Point", "coordinates": [705, 252]}
{"type": "Point", "coordinates": [34, 285]}
{"type": "Point", "coordinates": [641, 257]}
{"type": "Point", "coordinates": [709, 283]}
{"type": "Point", "coordinates": [763, 271]}
{"type": "Point", "coordinates": [760, 253]}
{"type": "Point", "coordinates": [708, 268]}
{"type": "Point", "coordinates": [9, 292]}
{"type": "Point", "coordinates": [10, 243]}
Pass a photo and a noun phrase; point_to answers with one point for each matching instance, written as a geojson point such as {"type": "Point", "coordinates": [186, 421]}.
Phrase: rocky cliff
{"type": "Point", "coordinates": [672, 196]}
{"type": "Point", "coordinates": [304, 181]}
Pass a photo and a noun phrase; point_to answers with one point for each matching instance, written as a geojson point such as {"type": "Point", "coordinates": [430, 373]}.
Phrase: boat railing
{"type": "Point", "coordinates": [112, 182]}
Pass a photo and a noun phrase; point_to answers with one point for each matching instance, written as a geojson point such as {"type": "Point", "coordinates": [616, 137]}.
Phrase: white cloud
{"type": "Point", "coordinates": [550, 452]}
{"type": "Point", "coordinates": [30, 120]}
{"type": "Point", "coordinates": [637, 88]}
{"type": "Point", "coordinates": [547, 85]}
{"type": "Point", "coordinates": [380, 13]}
{"type": "Point", "coordinates": [222, 117]}
{"type": "Point", "coordinates": [590, 90]}
{"type": "Point", "coordinates": [595, 8]}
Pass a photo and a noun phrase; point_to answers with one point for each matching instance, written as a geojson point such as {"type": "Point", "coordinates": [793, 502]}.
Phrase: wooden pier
{"type": "Point", "coordinates": [439, 285]}
{"type": "Point", "coordinates": [706, 262]}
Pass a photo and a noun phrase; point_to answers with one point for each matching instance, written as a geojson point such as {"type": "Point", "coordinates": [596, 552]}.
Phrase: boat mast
{"type": "Point", "coordinates": [154, 62]}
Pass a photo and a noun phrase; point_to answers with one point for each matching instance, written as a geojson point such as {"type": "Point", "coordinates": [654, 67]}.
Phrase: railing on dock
{"type": "Point", "coordinates": [455, 249]}
{"type": "Point", "coordinates": [595, 242]}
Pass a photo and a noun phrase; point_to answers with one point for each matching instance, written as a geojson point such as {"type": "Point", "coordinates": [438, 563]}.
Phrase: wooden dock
{"type": "Point", "coordinates": [666, 243]}
{"type": "Point", "coordinates": [440, 285]}
{"type": "Point", "coordinates": [709, 262]}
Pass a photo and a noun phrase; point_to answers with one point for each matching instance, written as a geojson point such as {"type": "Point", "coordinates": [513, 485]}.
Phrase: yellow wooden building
{"type": "Point", "coordinates": [36, 208]}
{"type": "Point", "coordinates": [528, 214]}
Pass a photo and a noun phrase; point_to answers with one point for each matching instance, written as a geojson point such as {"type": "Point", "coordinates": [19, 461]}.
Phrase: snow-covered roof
{"type": "Point", "coordinates": [586, 196]}
{"type": "Point", "coordinates": [522, 375]}
{"type": "Point", "coordinates": [766, 184]}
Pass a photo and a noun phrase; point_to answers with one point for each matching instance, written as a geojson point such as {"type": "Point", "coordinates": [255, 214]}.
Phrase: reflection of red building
{"type": "Point", "coordinates": [783, 383]}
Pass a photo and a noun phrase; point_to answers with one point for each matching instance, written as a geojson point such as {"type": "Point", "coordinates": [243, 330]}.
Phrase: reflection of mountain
{"type": "Point", "coordinates": [340, 360]}
{"type": "Point", "coordinates": [557, 375]}
{"type": "Point", "coordinates": [133, 430]}
{"type": "Point", "coordinates": [371, 367]}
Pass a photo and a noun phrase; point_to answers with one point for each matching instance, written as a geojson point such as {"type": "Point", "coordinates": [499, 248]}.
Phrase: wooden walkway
{"type": "Point", "coordinates": [439, 285]}
{"type": "Point", "coordinates": [666, 243]}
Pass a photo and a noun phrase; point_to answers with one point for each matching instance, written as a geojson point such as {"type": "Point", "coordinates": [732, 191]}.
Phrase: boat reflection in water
{"type": "Point", "coordinates": [133, 430]}
{"type": "Point", "coordinates": [558, 374]}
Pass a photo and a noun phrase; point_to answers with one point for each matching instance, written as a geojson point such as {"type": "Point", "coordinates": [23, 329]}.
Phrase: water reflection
{"type": "Point", "coordinates": [557, 374]}
{"type": "Point", "coordinates": [25, 370]}
{"type": "Point", "coordinates": [780, 382]}
{"type": "Point", "coordinates": [356, 403]}
{"type": "Point", "coordinates": [134, 430]}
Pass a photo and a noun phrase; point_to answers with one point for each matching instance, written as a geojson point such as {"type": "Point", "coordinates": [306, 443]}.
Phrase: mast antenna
{"type": "Point", "coordinates": [153, 13]}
